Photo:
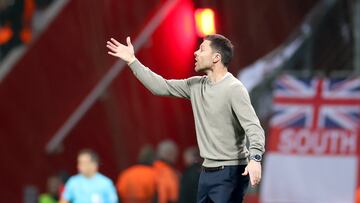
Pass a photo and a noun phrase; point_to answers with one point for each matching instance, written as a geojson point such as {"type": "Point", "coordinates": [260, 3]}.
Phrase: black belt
{"type": "Point", "coordinates": [212, 169]}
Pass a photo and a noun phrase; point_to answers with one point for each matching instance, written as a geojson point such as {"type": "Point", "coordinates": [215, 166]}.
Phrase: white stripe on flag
{"type": "Point", "coordinates": [309, 179]}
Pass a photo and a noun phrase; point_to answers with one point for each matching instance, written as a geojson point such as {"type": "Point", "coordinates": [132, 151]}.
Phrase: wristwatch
{"type": "Point", "coordinates": [256, 157]}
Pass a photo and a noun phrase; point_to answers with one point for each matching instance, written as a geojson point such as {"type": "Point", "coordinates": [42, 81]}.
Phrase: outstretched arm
{"type": "Point", "coordinates": [152, 81]}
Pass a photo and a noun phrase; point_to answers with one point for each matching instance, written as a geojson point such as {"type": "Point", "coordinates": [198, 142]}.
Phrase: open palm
{"type": "Point", "coordinates": [121, 51]}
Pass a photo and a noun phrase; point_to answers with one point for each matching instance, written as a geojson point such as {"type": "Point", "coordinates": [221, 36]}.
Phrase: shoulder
{"type": "Point", "coordinates": [235, 83]}
{"type": "Point", "coordinates": [195, 79]}
{"type": "Point", "coordinates": [103, 179]}
{"type": "Point", "coordinates": [238, 89]}
{"type": "Point", "coordinates": [136, 170]}
{"type": "Point", "coordinates": [142, 168]}
{"type": "Point", "coordinates": [73, 179]}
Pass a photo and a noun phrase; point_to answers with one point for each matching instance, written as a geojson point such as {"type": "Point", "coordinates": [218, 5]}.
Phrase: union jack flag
{"type": "Point", "coordinates": [316, 103]}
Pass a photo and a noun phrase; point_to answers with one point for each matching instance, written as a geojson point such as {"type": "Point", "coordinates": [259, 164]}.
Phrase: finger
{"type": "Point", "coordinates": [128, 41]}
{"type": "Point", "coordinates": [111, 53]}
{"type": "Point", "coordinates": [245, 172]}
{"type": "Point", "coordinates": [115, 42]}
{"type": "Point", "coordinates": [252, 181]}
{"type": "Point", "coordinates": [111, 48]}
{"type": "Point", "coordinates": [256, 178]}
{"type": "Point", "coordinates": [111, 44]}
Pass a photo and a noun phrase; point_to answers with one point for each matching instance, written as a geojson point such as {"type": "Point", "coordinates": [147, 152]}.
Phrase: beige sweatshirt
{"type": "Point", "coordinates": [223, 114]}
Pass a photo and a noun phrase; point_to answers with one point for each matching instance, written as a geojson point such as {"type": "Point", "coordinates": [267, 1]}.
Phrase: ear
{"type": "Point", "coordinates": [216, 58]}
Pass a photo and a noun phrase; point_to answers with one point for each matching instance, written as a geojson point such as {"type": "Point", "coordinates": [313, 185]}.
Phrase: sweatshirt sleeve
{"type": "Point", "coordinates": [240, 101]}
{"type": "Point", "coordinates": [157, 84]}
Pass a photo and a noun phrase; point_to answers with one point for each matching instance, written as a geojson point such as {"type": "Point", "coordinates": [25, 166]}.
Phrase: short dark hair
{"type": "Point", "coordinates": [93, 155]}
{"type": "Point", "coordinates": [146, 155]}
{"type": "Point", "coordinates": [222, 45]}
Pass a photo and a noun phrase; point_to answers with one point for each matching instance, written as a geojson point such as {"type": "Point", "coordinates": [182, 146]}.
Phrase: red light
{"type": "Point", "coordinates": [205, 22]}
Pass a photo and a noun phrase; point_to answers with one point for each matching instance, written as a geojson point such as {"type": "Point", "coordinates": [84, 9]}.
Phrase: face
{"type": "Point", "coordinates": [86, 165]}
{"type": "Point", "coordinates": [53, 184]}
{"type": "Point", "coordinates": [205, 57]}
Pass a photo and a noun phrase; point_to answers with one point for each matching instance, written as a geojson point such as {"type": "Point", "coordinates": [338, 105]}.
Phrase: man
{"type": "Point", "coordinates": [53, 186]}
{"type": "Point", "coordinates": [224, 118]}
{"type": "Point", "coordinates": [89, 186]}
{"type": "Point", "coordinates": [190, 178]}
{"type": "Point", "coordinates": [137, 184]}
{"type": "Point", "coordinates": [167, 177]}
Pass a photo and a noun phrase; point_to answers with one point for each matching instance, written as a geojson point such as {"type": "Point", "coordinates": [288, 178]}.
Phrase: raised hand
{"type": "Point", "coordinates": [121, 51]}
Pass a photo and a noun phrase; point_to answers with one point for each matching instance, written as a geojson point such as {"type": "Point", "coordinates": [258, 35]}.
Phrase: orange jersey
{"type": "Point", "coordinates": [167, 182]}
{"type": "Point", "coordinates": [137, 184]}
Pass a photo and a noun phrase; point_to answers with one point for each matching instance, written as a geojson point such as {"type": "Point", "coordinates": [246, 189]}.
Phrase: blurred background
{"type": "Point", "coordinates": [61, 92]}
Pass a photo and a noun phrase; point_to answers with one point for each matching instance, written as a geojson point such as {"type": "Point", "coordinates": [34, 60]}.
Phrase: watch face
{"type": "Point", "coordinates": [257, 157]}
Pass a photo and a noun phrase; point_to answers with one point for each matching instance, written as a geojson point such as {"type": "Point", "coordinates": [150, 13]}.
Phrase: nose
{"type": "Point", "coordinates": [195, 53]}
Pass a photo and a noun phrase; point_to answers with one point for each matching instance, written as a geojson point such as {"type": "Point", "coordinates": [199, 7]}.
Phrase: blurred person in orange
{"type": "Point", "coordinates": [137, 183]}
{"type": "Point", "coordinates": [167, 176]}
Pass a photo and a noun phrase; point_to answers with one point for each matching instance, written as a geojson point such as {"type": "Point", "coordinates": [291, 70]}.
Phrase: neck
{"type": "Point", "coordinates": [90, 175]}
{"type": "Point", "coordinates": [216, 73]}
{"type": "Point", "coordinates": [167, 162]}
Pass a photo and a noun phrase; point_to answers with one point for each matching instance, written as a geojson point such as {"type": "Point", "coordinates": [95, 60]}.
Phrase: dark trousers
{"type": "Point", "coordinates": [222, 185]}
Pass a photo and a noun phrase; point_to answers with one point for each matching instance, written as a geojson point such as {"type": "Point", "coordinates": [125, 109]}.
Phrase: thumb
{"type": "Point", "coordinates": [245, 172]}
{"type": "Point", "coordinates": [128, 41]}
